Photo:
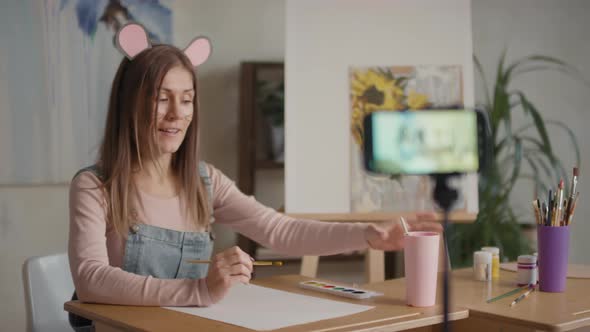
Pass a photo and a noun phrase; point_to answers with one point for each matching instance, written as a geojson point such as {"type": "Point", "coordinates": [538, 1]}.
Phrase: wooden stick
{"type": "Point", "coordinates": [369, 322]}
{"type": "Point", "coordinates": [255, 263]}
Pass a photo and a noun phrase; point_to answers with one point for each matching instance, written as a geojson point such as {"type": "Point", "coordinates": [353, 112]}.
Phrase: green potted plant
{"type": "Point", "coordinates": [271, 103]}
{"type": "Point", "coordinates": [497, 223]}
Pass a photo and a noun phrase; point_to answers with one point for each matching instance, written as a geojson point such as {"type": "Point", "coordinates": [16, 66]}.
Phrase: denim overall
{"type": "Point", "coordinates": [159, 252]}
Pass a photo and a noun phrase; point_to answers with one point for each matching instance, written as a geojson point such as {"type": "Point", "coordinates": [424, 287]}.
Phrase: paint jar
{"type": "Point", "coordinates": [482, 265]}
{"type": "Point", "coordinates": [495, 261]}
{"type": "Point", "coordinates": [527, 271]}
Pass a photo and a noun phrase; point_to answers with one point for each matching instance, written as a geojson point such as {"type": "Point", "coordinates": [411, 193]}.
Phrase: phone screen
{"type": "Point", "coordinates": [422, 142]}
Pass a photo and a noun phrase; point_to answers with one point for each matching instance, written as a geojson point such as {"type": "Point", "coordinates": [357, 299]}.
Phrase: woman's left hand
{"type": "Point", "coordinates": [390, 236]}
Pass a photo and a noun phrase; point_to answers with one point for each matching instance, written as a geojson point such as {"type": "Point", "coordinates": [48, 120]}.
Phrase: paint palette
{"type": "Point", "coordinates": [350, 292]}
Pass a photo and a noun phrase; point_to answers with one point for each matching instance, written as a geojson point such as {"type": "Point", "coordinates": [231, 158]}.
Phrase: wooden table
{"type": "Point", "coordinates": [469, 311]}
{"type": "Point", "coordinates": [540, 311]}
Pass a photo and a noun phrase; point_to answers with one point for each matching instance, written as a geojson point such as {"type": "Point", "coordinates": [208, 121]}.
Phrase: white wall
{"type": "Point", "coordinates": [34, 219]}
{"type": "Point", "coordinates": [251, 30]}
{"type": "Point", "coordinates": [554, 28]}
{"type": "Point", "coordinates": [33, 222]}
{"type": "Point", "coordinates": [325, 38]}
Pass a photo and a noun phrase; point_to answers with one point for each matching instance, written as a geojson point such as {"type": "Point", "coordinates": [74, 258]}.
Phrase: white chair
{"type": "Point", "coordinates": [48, 284]}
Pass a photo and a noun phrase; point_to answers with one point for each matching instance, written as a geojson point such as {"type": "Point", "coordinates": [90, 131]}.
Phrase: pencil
{"type": "Point", "coordinates": [522, 297]}
{"type": "Point", "coordinates": [512, 292]}
{"type": "Point", "coordinates": [255, 263]}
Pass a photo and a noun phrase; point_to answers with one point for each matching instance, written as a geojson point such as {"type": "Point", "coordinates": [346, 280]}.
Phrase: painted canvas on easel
{"type": "Point", "coordinates": [59, 83]}
{"type": "Point", "coordinates": [396, 88]}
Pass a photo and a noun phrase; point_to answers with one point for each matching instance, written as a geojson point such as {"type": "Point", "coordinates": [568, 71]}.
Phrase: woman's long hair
{"type": "Point", "coordinates": [130, 137]}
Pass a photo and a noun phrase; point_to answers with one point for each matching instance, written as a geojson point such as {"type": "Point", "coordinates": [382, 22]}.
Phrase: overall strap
{"type": "Point", "coordinates": [204, 174]}
{"type": "Point", "coordinates": [94, 170]}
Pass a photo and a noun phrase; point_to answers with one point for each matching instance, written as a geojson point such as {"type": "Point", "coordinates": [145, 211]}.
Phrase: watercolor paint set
{"type": "Point", "coordinates": [350, 292]}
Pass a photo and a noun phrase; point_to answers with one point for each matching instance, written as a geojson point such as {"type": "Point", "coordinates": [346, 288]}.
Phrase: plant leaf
{"type": "Point", "coordinates": [537, 120]}
{"type": "Point", "coordinates": [572, 137]}
{"type": "Point", "coordinates": [517, 162]}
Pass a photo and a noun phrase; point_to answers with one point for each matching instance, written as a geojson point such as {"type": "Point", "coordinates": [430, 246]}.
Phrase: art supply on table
{"type": "Point", "coordinates": [570, 217]}
{"type": "Point", "coordinates": [262, 308]}
{"type": "Point", "coordinates": [255, 263]}
{"type": "Point", "coordinates": [573, 194]}
{"type": "Point", "coordinates": [553, 245]}
{"type": "Point", "coordinates": [553, 235]}
{"type": "Point", "coordinates": [559, 209]}
{"type": "Point", "coordinates": [527, 272]}
{"type": "Point", "coordinates": [574, 271]}
{"type": "Point", "coordinates": [510, 293]}
{"type": "Point", "coordinates": [522, 297]}
{"type": "Point", "coordinates": [421, 267]}
{"type": "Point", "coordinates": [495, 251]}
{"type": "Point", "coordinates": [338, 290]}
{"type": "Point", "coordinates": [482, 265]}
{"type": "Point", "coordinates": [538, 211]}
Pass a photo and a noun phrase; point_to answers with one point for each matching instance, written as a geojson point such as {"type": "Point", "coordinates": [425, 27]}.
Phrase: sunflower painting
{"type": "Point", "coordinates": [393, 89]}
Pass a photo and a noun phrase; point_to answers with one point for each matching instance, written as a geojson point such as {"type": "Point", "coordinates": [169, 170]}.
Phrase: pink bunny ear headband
{"type": "Point", "coordinates": [132, 38]}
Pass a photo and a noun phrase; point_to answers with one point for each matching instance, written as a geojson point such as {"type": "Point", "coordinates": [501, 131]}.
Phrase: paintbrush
{"type": "Point", "coordinates": [512, 292]}
{"type": "Point", "coordinates": [522, 297]}
{"type": "Point", "coordinates": [255, 263]}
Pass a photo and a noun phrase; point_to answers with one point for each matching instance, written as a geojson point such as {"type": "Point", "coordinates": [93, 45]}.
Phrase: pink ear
{"type": "Point", "coordinates": [132, 39]}
{"type": "Point", "coordinates": [198, 50]}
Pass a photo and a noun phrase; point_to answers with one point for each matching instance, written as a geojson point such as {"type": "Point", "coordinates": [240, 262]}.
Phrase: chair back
{"type": "Point", "coordinates": [48, 285]}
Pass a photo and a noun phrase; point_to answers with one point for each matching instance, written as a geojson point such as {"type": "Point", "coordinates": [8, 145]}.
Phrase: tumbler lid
{"type": "Point", "coordinates": [527, 259]}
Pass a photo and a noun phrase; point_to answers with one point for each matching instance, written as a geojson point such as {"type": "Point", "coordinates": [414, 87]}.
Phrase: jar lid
{"type": "Point", "coordinates": [528, 259]}
{"type": "Point", "coordinates": [482, 257]}
{"type": "Point", "coordinates": [493, 250]}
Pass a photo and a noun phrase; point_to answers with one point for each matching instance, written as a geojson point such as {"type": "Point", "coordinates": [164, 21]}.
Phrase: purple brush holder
{"type": "Point", "coordinates": [553, 244]}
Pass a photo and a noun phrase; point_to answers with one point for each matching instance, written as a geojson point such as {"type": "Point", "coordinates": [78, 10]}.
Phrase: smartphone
{"type": "Point", "coordinates": [425, 142]}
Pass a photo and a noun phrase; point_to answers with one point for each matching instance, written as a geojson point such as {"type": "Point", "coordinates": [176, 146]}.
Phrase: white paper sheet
{"type": "Point", "coordinates": [261, 308]}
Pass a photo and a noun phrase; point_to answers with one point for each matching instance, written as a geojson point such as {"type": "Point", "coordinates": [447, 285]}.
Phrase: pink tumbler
{"type": "Point", "coordinates": [421, 266]}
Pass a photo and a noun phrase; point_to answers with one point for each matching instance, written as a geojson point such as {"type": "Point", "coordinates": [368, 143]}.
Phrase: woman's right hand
{"type": "Point", "coordinates": [227, 268]}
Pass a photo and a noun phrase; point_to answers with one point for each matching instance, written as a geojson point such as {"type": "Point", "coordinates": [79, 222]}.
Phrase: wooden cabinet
{"type": "Point", "coordinates": [254, 134]}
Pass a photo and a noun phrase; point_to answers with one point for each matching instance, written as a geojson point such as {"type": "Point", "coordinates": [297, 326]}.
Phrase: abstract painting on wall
{"type": "Point", "coordinates": [79, 62]}
{"type": "Point", "coordinates": [396, 88]}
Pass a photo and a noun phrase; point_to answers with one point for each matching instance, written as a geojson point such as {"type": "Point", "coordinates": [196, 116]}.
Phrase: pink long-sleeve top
{"type": "Point", "coordinates": [96, 251]}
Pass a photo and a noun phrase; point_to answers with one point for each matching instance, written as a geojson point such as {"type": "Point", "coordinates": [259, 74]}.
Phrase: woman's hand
{"type": "Point", "coordinates": [390, 236]}
{"type": "Point", "coordinates": [227, 268]}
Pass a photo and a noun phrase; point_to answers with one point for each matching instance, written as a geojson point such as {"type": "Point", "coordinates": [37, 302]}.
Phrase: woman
{"type": "Point", "coordinates": [146, 207]}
